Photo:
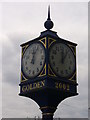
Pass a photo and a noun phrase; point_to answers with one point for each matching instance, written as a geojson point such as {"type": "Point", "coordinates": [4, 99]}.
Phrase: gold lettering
{"type": "Point", "coordinates": [38, 85]}
{"type": "Point", "coordinates": [27, 87]}
{"type": "Point", "coordinates": [24, 88]}
{"type": "Point", "coordinates": [42, 83]}
{"type": "Point", "coordinates": [64, 86]}
{"type": "Point", "coordinates": [56, 85]}
{"type": "Point", "coordinates": [33, 86]}
{"type": "Point", "coordinates": [60, 85]}
{"type": "Point", "coordinates": [30, 86]}
{"type": "Point", "coordinates": [68, 87]}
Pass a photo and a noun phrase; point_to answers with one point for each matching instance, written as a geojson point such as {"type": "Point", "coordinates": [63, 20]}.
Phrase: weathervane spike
{"type": "Point", "coordinates": [48, 24]}
{"type": "Point", "coordinates": [49, 12]}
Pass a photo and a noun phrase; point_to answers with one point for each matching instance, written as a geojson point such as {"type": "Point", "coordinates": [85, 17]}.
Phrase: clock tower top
{"type": "Point", "coordinates": [48, 24]}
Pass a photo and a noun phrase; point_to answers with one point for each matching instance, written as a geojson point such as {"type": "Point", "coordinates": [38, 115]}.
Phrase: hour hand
{"type": "Point", "coordinates": [62, 57]}
{"type": "Point", "coordinates": [65, 56]}
{"type": "Point", "coordinates": [33, 56]}
{"type": "Point", "coordinates": [32, 61]}
{"type": "Point", "coordinates": [33, 52]}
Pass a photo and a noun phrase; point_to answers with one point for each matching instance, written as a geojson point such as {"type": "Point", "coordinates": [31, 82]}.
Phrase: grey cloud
{"type": "Point", "coordinates": [11, 58]}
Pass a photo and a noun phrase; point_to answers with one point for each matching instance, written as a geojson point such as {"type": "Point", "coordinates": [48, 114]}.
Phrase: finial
{"type": "Point", "coordinates": [49, 13]}
{"type": "Point", "coordinates": [48, 24]}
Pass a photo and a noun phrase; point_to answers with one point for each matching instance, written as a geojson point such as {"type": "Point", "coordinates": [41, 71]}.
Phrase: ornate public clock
{"type": "Point", "coordinates": [62, 60]}
{"type": "Point", "coordinates": [33, 60]}
{"type": "Point", "coordinates": [48, 70]}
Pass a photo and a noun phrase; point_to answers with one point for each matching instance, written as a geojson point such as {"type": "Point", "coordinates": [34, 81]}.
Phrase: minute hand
{"type": "Point", "coordinates": [65, 56]}
{"type": "Point", "coordinates": [33, 58]}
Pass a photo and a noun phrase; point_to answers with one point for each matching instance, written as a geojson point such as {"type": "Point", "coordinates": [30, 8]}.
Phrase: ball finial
{"type": "Point", "coordinates": [48, 24]}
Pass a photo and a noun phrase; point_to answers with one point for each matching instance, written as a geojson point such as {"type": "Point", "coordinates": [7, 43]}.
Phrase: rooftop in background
{"type": "Point", "coordinates": [41, 119]}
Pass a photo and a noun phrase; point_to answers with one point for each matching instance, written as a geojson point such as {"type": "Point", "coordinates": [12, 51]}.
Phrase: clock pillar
{"type": "Point", "coordinates": [47, 117]}
{"type": "Point", "coordinates": [47, 113]}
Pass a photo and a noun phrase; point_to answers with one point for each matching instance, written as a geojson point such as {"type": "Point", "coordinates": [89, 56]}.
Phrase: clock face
{"type": "Point", "coordinates": [62, 60]}
{"type": "Point", "coordinates": [33, 60]}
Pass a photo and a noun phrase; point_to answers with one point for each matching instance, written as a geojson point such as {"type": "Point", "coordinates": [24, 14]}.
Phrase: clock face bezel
{"type": "Point", "coordinates": [56, 74]}
{"type": "Point", "coordinates": [23, 52]}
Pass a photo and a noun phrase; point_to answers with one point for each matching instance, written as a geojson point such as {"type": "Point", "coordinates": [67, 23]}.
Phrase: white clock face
{"type": "Point", "coordinates": [33, 60]}
{"type": "Point", "coordinates": [62, 60]}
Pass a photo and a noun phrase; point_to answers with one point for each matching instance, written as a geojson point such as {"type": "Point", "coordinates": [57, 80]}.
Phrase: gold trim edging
{"type": "Point", "coordinates": [25, 47]}
{"type": "Point", "coordinates": [42, 71]}
{"type": "Point", "coordinates": [49, 44]}
{"type": "Point", "coordinates": [23, 77]}
{"type": "Point", "coordinates": [43, 42]}
{"type": "Point", "coordinates": [47, 107]}
{"type": "Point", "coordinates": [49, 68]}
{"type": "Point", "coordinates": [47, 113]}
{"type": "Point", "coordinates": [72, 49]}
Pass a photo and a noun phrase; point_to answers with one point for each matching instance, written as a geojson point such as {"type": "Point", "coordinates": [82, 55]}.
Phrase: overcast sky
{"type": "Point", "coordinates": [24, 21]}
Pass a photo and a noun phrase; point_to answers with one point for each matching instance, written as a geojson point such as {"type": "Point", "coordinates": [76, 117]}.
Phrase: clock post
{"type": "Point", "coordinates": [48, 70]}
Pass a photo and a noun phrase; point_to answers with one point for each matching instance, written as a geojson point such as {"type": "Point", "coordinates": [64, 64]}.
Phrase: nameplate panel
{"type": "Point", "coordinates": [44, 84]}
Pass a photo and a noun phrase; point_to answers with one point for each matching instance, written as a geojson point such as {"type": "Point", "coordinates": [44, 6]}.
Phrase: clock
{"type": "Point", "coordinates": [62, 60]}
{"type": "Point", "coordinates": [33, 60]}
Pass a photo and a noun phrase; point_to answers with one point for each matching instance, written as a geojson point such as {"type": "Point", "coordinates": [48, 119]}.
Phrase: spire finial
{"type": "Point", "coordinates": [48, 24]}
{"type": "Point", "coordinates": [49, 13]}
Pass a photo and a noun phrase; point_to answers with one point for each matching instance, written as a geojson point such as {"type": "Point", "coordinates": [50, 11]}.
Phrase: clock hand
{"type": "Point", "coordinates": [33, 53]}
{"type": "Point", "coordinates": [62, 56]}
{"type": "Point", "coordinates": [32, 61]}
{"type": "Point", "coordinates": [65, 56]}
{"type": "Point", "coordinates": [33, 50]}
{"type": "Point", "coordinates": [33, 58]}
